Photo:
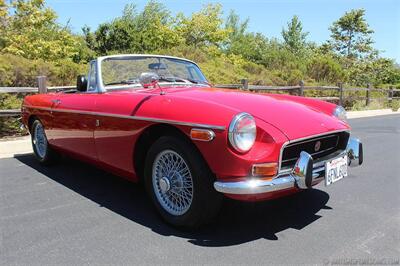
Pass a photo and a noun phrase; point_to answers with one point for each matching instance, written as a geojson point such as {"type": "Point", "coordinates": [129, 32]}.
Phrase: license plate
{"type": "Point", "coordinates": [335, 170]}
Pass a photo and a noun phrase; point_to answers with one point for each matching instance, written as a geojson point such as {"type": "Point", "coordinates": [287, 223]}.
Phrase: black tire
{"type": "Point", "coordinates": [206, 201]}
{"type": "Point", "coordinates": [48, 156]}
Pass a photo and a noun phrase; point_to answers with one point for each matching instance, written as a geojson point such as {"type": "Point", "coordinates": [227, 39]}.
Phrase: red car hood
{"type": "Point", "coordinates": [289, 114]}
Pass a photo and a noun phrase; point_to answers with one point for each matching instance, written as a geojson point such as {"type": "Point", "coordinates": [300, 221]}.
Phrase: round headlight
{"type": "Point", "coordinates": [340, 113]}
{"type": "Point", "coordinates": [242, 132]}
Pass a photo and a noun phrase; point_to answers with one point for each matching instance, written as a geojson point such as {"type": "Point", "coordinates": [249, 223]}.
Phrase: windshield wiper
{"type": "Point", "coordinates": [195, 81]}
{"type": "Point", "coordinates": [123, 82]}
{"type": "Point", "coordinates": [172, 79]}
{"type": "Point", "coordinates": [177, 79]}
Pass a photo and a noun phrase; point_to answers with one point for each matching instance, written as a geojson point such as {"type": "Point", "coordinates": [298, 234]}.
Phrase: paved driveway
{"type": "Point", "coordinates": [72, 213]}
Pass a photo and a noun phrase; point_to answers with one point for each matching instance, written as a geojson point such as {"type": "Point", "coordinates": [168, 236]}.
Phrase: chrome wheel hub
{"type": "Point", "coordinates": [164, 184]}
{"type": "Point", "coordinates": [40, 140]}
{"type": "Point", "coordinates": [172, 182]}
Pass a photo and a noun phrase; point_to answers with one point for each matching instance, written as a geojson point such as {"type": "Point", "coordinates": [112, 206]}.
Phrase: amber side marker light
{"type": "Point", "coordinates": [202, 134]}
{"type": "Point", "coordinates": [265, 169]}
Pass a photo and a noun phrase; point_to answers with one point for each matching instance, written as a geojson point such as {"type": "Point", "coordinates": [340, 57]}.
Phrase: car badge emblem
{"type": "Point", "coordinates": [317, 146]}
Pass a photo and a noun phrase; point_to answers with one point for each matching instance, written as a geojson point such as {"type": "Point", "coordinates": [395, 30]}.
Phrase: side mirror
{"type": "Point", "coordinates": [148, 79]}
{"type": "Point", "coordinates": [81, 83]}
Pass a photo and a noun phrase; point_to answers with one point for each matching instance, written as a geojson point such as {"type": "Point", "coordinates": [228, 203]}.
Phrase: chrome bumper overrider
{"type": "Point", "coordinates": [303, 174]}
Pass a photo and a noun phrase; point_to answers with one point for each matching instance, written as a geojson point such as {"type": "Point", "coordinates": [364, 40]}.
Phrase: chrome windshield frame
{"type": "Point", "coordinates": [100, 85]}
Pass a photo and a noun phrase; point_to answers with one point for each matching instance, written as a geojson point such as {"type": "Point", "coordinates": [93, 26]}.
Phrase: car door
{"type": "Point", "coordinates": [116, 131]}
{"type": "Point", "coordinates": [74, 120]}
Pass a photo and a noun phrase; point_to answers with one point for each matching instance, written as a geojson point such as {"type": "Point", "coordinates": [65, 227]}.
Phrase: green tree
{"type": "Point", "coordinates": [149, 30]}
{"type": "Point", "coordinates": [32, 42]}
{"type": "Point", "coordinates": [3, 13]}
{"type": "Point", "coordinates": [351, 35]}
{"type": "Point", "coordinates": [378, 71]}
{"type": "Point", "coordinates": [3, 21]}
{"type": "Point", "coordinates": [237, 33]}
{"type": "Point", "coordinates": [156, 28]}
{"type": "Point", "coordinates": [89, 37]}
{"type": "Point", "coordinates": [32, 32]}
{"type": "Point", "coordinates": [203, 28]}
{"type": "Point", "coordinates": [235, 27]}
{"type": "Point", "coordinates": [386, 71]}
{"type": "Point", "coordinates": [117, 35]}
{"type": "Point", "coordinates": [251, 46]}
{"type": "Point", "coordinates": [293, 36]}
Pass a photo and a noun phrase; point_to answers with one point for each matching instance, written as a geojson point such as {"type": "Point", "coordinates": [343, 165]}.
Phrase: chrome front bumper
{"type": "Point", "coordinates": [303, 175]}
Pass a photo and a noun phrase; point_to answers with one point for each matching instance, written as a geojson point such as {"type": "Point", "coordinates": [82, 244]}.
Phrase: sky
{"type": "Point", "coordinates": [266, 16]}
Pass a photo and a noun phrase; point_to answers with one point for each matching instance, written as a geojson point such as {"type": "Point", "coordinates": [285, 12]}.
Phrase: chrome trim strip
{"type": "Point", "coordinates": [117, 56]}
{"type": "Point", "coordinates": [310, 139]}
{"type": "Point", "coordinates": [304, 138]}
{"type": "Point", "coordinates": [255, 186]}
{"type": "Point", "coordinates": [140, 118]}
{"type": "Point", "coordinates": [320, 134]}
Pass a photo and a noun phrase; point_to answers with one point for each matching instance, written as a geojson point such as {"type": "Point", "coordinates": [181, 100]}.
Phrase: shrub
{"type": "Point", "coordinates": [325, 69]}
{"type": "Point", "coordinates": [16, 71]}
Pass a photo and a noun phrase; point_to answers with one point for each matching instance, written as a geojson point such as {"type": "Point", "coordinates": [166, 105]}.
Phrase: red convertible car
{"type": "Point", "coordinates": [157, 119]}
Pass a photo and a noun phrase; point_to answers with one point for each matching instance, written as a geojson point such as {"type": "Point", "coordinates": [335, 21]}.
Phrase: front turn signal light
{"type": "Point", "coordinates": [202, 134]}
{"type": "Point", "coordinates": [265, 169]}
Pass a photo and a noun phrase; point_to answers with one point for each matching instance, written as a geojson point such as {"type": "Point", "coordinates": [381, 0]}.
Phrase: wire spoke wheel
{"type": "Point", "coordinates": [40, 140]}
{"type": "Point", "coordinates": [172, 182]}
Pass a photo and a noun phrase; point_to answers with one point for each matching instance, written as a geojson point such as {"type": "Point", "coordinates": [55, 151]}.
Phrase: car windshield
{"type": "Point", "coordinates": [123, 71]}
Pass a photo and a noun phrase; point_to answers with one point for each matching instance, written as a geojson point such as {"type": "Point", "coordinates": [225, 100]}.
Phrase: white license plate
{"type": "Point", "coordinates": [335, 170]}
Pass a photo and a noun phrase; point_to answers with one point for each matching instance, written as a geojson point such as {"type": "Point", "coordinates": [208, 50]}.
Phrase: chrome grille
{"type": "Point", "coordinates": [317, 147]}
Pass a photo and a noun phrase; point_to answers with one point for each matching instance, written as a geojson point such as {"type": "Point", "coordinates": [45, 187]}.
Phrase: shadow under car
{"type": "Point", "coordinates": [237, 223]}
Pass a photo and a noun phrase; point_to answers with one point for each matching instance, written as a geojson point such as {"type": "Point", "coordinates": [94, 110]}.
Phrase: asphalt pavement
{"type": "Point", "coordinates": [73, 213]}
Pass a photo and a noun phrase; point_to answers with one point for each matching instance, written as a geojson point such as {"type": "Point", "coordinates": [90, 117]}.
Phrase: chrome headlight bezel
{"type": "Point", "coordinates": [242, 137]}
{"type": "Point", "coordinates": [340, 113]}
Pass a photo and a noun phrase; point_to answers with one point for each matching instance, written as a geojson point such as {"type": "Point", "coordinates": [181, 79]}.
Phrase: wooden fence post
{"type": "Point", "coordinates": [301, 90]}
{"type": "Point", "coordinates": [368, 96]}
{"type": "Point", "coordinates": [340, 93]}
{"type": "Point", "coordinates": [42, 88]}
{"type": "Point", "coordinates": [390, 96]}
{"type": "Point", "coordinates": [245, 84]}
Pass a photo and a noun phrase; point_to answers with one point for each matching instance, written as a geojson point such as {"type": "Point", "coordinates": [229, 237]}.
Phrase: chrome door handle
{"type": "Point", "coordinates": [56, 101]}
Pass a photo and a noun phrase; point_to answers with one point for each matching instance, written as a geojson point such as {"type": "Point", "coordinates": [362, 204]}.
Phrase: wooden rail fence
{"type": "Point", "coordinates": [244, 85]}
